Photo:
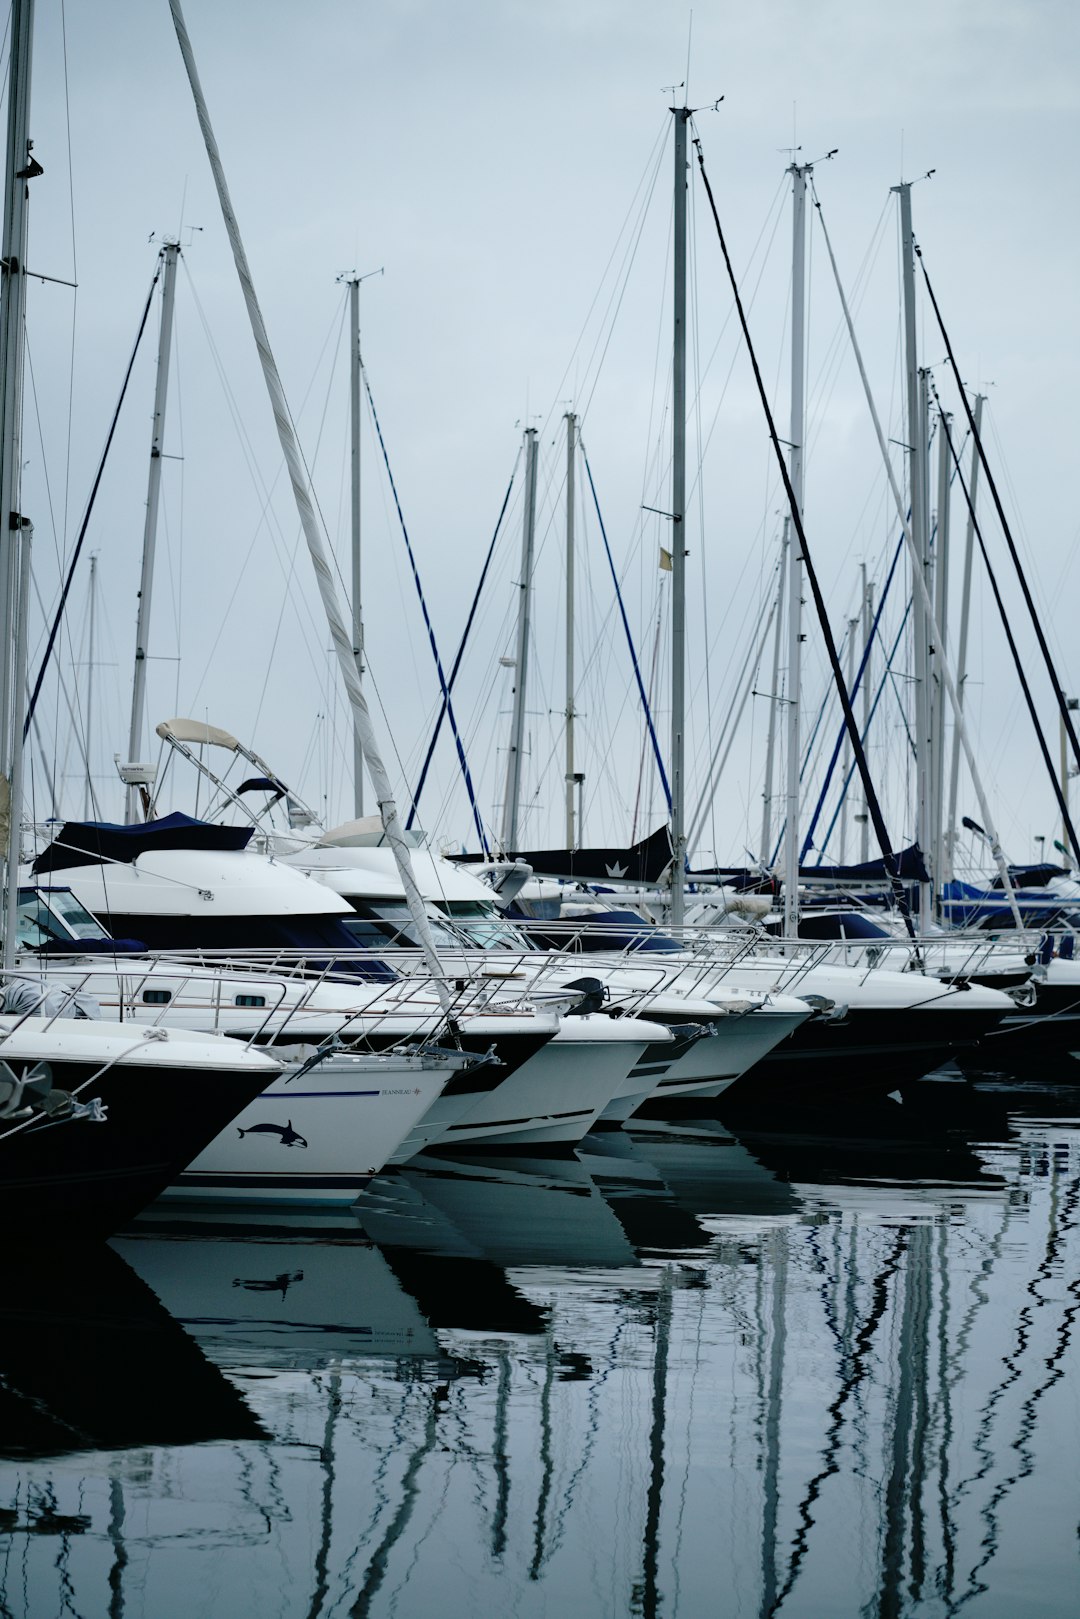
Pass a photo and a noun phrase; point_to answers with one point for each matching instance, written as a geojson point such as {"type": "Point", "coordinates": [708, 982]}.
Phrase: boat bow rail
{"type": "Point", "coordinates": [277, 1001]}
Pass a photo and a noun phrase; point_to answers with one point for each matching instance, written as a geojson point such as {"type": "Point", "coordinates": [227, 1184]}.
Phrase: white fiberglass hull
{"type": "Point", "coordinates": [552, 1100]}
{"type": "Point", "coordinates": [317, 1136]}
{"type": "Point", "coordinates": [710, 1065]}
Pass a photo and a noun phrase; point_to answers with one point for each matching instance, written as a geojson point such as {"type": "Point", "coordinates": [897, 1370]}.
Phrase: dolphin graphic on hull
{"type": "Point", "coordinates": [289, 1136]}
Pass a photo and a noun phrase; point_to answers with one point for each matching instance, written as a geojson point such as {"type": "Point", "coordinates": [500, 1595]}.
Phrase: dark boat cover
{"type": "Point", "coordinates": [643, 862]}
{"type": "Point", "coordinates": [911, 868]}
{"type": "Point", "coordinates": [88, 843]}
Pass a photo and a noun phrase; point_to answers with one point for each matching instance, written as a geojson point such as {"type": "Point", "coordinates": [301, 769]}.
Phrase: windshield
{"type": "Point", "coordinates": [483, 924]}
{"type": "Point", "coordinates": [53, 916]}
{"type": "Point", "coordinates": [390, 922]}
{"type": "Point", "coordinates": [840, 925]}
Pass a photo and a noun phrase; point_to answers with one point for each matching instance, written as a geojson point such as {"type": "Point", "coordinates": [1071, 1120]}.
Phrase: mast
{"type": "Point", "coordinates": [924, 708]}
{"type": "Point", "coordinates": [961, 654]}
{"type": "Point", "coordinates": [355, 368]}
{"type": "Point", "coordinates": [765, 852]}
{"type": "Point", "coordinates": [14, 837]}
{"type": "Point", "coordinates": [678, 531]}
{"type": "Point", "coordinates": [916, 437]}
{"type": "Point", "coordinates": [88, 790]}
{"type": "Point", "coordinates": [305, 507]}
{"type": "Point", "coordinates": [573, 836]}
{"type": "Point", "coordinates": [15, 532]}
{"type": "Point", "coordinates": [170, 253]}
{"type": "Point", "coordinates": [521, 662]}
{"type": "Point", "coordinates": [795, 564]}
{"type": "Point", "coordinates": [853, 624]}
{"type": "Point", "coordinates": [868, 630]}
{"type": "Point", "coordinates": [922, 593]}
{"type": "Point", "coordinates": [941, 617]}
{"type": "Point", "coordinates": [1073, 855]}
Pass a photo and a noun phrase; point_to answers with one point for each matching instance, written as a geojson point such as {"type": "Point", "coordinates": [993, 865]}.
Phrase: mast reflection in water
{"type": "Point", "coordinates": [824, 1373]}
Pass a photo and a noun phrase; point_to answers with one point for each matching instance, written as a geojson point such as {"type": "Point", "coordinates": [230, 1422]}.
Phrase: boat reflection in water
{"type": "Point", "coordinates": [690, 1372]}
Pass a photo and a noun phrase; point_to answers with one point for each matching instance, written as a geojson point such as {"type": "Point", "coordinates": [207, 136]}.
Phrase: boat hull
{"type": "Point", "coordinates": [79, 1180]}
{"type": "Point", "coordinates": [316, 1137]}
{"type": "Point", "coordinates": [711, 1066]}
{"type": "Point", "coordinates": [868, 1052]}
{"type": "Point", "coordinates": [552, 1100]}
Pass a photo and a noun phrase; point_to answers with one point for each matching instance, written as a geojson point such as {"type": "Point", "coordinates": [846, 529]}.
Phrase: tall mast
{"type": "Point", "coordinates": [521, 662]}
{"type": "Point", "coordinates": [868, 627]}
{"type": "Point", "coordinates": [765, 852]}
{"type": "Point", "coordinates": [1072, 855]}
{"type": "Point", "coordinates": [941, 619]}
{"type": "Point", "coordinates": [15, 533]}
{"type": "Point", "coordinates": [961, 653]}
{"type": "Point", "coordinates": [170, 253]}
{"type": "Point", "coordinates": [88, 789]}
{"type": "Point", "coordinates": [572, 834]}
{"type": "Point", "coordinates": [355, 374]}
{"type": "Point", "coordinates": [923, 637]}
{"type": "Point", "coordinates": [317, 549]}
{"type": "Point", "coordinates": [916, 439]}
{"type": "Point", "coordinates": [853, 625]}
{"type": "Point", "coordinates": [795, 564]}
{"type": "Point", "coordinates": [678, 532]}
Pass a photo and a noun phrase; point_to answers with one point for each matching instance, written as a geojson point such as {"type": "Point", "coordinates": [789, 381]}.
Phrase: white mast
{"type": "Point", "coordinates": [15, 532]}
{"type": "Point", "coordinates": [356, 374]}
{"type": "Point", "coordinates": [1072, 854]}
{"type": "Point", "coordinates": [961, 652]}
{"type": "Point", "coordinates": [678, 531]}
{"type": "Point", "coordinates": [170, 253]}
{"type": "Point", "coordinates": [916, 437]}
{"type": "Point", "coordinates": [795, 564]}
{"type": "Point", "coordinates": [765, 852]}
{"type": "Point", "coordinates": [923, 594]}
{"type": "Point", "coordinates": [521, 662]}
{"type": "Point", "coordinates": [357, 608]}
{"type": "Point", "coordinates": [305, 505]}
{"type": "Point", "coordinates": [868, 625]}
{"type": "Point", "coordinates": [853, 624]}
{"type": "Point", "coordinates": [941, 620]}
{"type": "Point", "coordinates": [572, 835]}
{"type": "Point", "coordinates": [88, 790]}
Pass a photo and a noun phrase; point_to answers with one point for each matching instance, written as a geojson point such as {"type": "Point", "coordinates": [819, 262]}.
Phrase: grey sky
{"type": "Point", "coordinates": [488, 155]}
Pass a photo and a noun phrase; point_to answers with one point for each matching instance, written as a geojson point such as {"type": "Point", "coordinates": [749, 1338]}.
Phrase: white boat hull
{"type": "Point", "coordinates": [318, 1136]}
{"type": "Point", "coordinates": [552, 1100]}
{"type": "Point", "coordinates": [710, 1065]}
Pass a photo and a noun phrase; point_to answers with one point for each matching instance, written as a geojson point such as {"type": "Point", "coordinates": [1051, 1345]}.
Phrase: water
{"type": "Point", "coordinates": [826, 1372]}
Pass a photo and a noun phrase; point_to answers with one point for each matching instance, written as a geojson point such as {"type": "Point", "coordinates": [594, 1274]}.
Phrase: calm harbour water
{"type": "Point", "coordinates": [689, 1371]}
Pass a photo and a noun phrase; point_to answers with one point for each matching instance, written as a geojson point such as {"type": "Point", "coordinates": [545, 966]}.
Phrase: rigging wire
{"type": "Point", "coordinates": [1040, 735]}
{"type": "Point", "coordinates": [456, 665]}
{"type": "Point", "coordinates": [873, 806]}
{"type": "Point", "coordinates": [58, 618]}
{"type": "Point", "coordinates": [1059, 692]}
{"type": "Point", "coordinates": [462, 758]}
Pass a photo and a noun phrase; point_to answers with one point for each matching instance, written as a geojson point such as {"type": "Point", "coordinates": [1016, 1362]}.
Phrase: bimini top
{"type": "Point", "coordinates": [88, 843]}
{"type": "Point", "coordinates": [198, 733]}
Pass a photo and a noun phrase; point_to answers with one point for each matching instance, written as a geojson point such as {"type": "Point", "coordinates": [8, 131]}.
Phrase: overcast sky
{"type": "Point", "coordinates": [510, 167]}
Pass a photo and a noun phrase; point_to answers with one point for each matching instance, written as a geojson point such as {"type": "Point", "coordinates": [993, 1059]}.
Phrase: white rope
{"type": "Point", "coordinates": [340, 634]}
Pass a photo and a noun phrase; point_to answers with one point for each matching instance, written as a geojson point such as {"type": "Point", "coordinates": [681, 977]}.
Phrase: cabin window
{"type": "Point", "coordinates": [157, 997]}
{"type": "Point", "coordinates": [251, 1000]}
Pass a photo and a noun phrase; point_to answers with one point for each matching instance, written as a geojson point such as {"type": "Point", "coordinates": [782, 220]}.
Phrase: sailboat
{"type": "Point", "coordinates": [95, 1120]}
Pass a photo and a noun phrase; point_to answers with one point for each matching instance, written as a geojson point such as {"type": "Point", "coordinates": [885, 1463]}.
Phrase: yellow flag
{"type": "Point", "coordinates": [665, 560]}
